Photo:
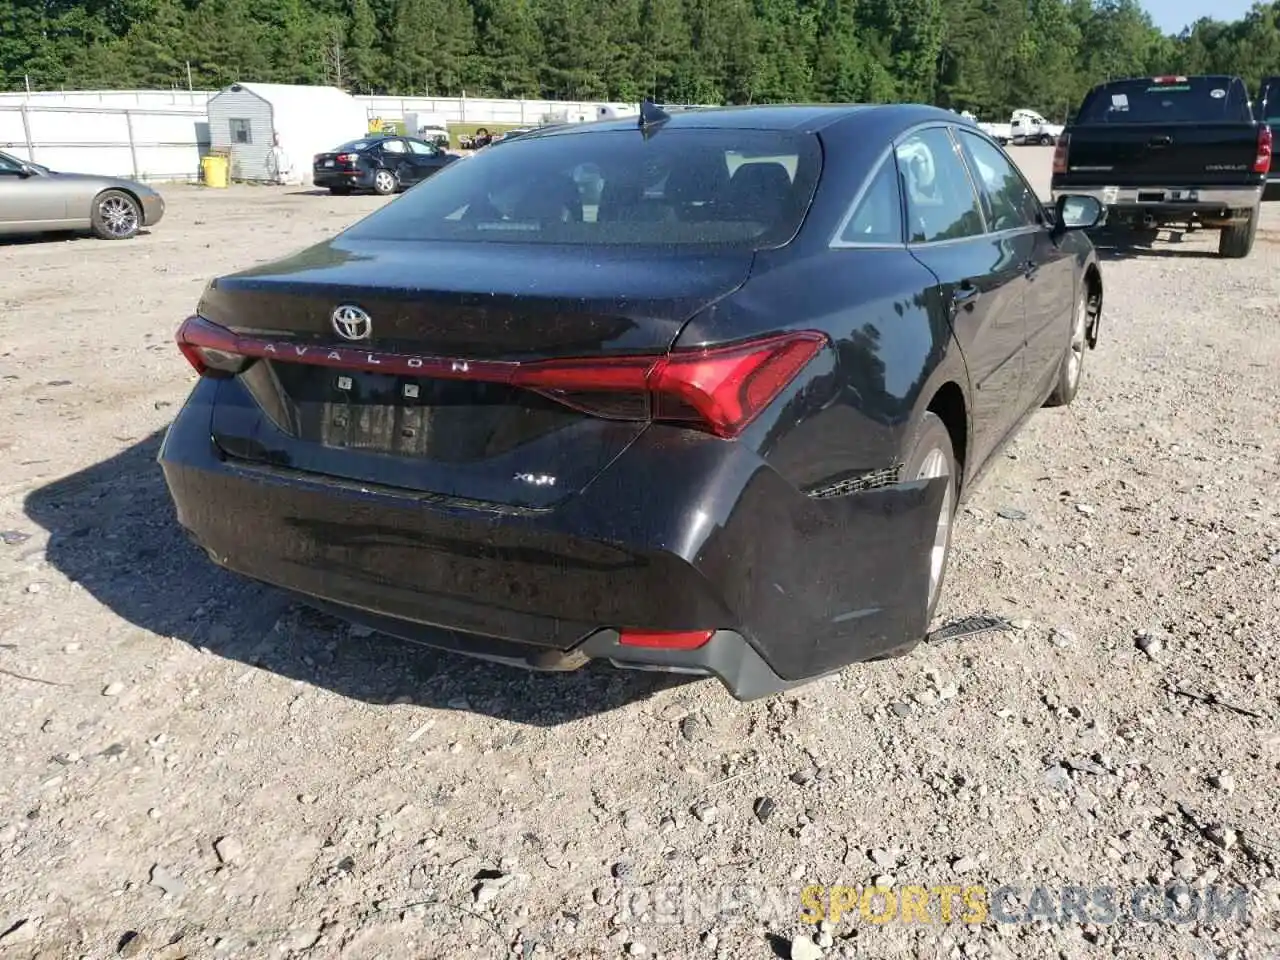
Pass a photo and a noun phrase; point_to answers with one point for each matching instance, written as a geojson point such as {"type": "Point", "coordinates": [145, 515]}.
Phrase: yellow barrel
{"type": "Point", "coordinates": [214, 169]}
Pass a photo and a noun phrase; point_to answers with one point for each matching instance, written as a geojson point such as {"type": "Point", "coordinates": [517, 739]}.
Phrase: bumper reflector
{"type": "Point", "coordinates": [665, 640]}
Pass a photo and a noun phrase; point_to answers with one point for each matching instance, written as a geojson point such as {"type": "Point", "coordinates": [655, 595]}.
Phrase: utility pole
{"type": "Point", "coordinates": [189, 87]}
{"type": "Point", "coordinates": [26, 77]}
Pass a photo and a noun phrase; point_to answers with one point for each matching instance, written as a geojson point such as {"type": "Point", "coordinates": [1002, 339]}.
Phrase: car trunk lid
{"type": "Point", "coordinates": [398, 404]}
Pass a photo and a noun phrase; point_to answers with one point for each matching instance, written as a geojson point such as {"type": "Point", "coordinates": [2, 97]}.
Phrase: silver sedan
{"type": "Point", "coordinates": [35, 199]}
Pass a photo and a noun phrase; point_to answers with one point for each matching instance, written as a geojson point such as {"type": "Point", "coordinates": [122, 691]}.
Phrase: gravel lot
{"type": "Point", "coordinates": [194, 767]}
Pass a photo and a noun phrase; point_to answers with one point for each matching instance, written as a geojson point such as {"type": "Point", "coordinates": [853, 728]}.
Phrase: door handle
{"type": "Point", "coordinates": [964, 296]}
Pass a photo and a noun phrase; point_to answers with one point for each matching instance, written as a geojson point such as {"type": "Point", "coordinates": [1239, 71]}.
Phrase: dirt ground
{"type": "Point", "coordinates": [194, 767]}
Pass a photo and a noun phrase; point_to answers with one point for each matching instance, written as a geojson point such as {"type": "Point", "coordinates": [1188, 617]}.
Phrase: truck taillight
{"type": "Point", "coordinates": [1060, 153]}
{"type": "Point", "coordinates": [1168, 79]}
{"type": "Point", "coordinates": [1262, 162]}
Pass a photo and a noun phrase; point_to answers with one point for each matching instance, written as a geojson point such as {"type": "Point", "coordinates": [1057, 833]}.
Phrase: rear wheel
{"type": "Point", "coordinates": [1236, 242]}
{"type": "Point", "coordinates": [115, 216]}
{"type": "Point", "coordinates": [1071, 369]}
{"type": "Point", "coordinates": [1045, 140]}
{"type": "Point", "coordinates": [384, 182]}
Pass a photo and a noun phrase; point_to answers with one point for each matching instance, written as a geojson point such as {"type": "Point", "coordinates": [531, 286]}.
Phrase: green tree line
{"type": "Point", "coordinates": [988, 56]}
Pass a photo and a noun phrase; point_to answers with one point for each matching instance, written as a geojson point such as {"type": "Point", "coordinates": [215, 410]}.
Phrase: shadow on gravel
{"type": "Point", "coordinates": [1132, 246]}
{"type": "Point", "coordinates": [27, 239]}
{"type": "Point", "coordinates": [112, 530]}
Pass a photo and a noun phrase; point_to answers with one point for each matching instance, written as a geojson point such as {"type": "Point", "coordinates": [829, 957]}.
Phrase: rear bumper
{"type": "Point", "coordinates": [355, 180]}
{"type": "Point", "coordinates": [1166, 200]}
{"type": "Point", "coordinates": [795, 587]}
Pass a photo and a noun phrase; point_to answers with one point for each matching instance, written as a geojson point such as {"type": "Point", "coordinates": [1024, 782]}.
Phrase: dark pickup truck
{"type": "Point", "coordinates": [1158, 151]}
{"type": "Point", "coordinates": [1267, 110]}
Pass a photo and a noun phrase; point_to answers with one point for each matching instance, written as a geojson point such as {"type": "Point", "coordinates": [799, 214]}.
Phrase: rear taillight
{"type": "Point", "coordinates": [212, 350]}
{"type": "Point", "coordinates": [1262, 162]}
{"type": "Point", "coordinates": [720, 388]}
{"type": "Point", "coordinates": [717, 389]}
{"type": "Point", "coordinates": [665, 640]}
{"type": "Point", "coordinates": [348, 157]}
{"type": "Point", "coordinates": [1060, 153]}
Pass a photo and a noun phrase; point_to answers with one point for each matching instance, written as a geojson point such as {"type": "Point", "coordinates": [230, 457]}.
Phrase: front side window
{"type": "Point", "coordinates": [941, 202]}
{"type": "Point", "coordinates": [422, 149]}
{"type": "Point", "coordinates": [878, 218]}
{"type": "Point", "coordinates": [746, 189]}
{"type": "Point", "coordinates": [1009, 202]}
{"type": "Point", "coordinates": [393, 146]}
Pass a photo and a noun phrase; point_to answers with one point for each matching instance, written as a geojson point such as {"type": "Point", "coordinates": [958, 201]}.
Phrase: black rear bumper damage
{"type": "Point", "coordinates": [681, 533]}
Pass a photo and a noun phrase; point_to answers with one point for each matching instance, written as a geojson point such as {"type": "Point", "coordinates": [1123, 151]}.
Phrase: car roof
{"type": "Point", "coordinates": [799, 117]}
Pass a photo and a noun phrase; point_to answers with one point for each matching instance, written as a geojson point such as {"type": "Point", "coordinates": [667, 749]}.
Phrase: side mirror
{"type": "Point", "coordinates": [1076, 212]}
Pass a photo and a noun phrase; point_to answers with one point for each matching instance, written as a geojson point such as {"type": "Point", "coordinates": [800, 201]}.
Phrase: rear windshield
{"type": "Point", "coordinates": [684, 187]}
{"type": "Point", "coordinates": [353, 146]}
{"type": "Point", "coordinates": [1186, 99]}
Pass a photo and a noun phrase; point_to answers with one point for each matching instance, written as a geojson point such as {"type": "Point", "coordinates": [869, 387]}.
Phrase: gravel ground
{"type": "Point", "coordinates": [194, 767]}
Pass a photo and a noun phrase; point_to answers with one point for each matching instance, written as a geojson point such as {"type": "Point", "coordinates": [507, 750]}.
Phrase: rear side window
{"type": "Point", "coordinates": [1269, 101]}
{"type": "Point", "coordinates": [941, 202]}
{"type": "Point", "coordinates": [678, 187]}
{"type": "Point", "coordinates": [1167, 100]}
{"type": "Point", "coordinates": [878, 217]}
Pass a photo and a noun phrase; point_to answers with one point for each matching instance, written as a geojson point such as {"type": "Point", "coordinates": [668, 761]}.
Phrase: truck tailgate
{"type": "Point", "coordinates": [1139, 155]}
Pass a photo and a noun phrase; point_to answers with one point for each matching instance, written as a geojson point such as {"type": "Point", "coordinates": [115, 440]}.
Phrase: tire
{"type": "Point", "coordinates": [115, 216]}
{"type": "Point", "coordinates": [1236, 243]}
{"type": "Point", "coordinates": [1045, 139]}
{"type": "Point", "coordinates": [384, 182]}
{"type": "Point", "coordinates": [1071, 367]}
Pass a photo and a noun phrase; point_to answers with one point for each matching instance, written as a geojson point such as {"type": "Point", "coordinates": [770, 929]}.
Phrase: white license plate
{"type": "Point", "coordinates": [328, 163]}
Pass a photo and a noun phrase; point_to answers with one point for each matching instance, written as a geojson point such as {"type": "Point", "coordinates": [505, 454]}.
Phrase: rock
{"type": "Point", "coordinates": [901, 708]}
{"type": "Point", "coordinates": [884, 881]}
{"type": "Point", "coordinates": [802, 948]}
{"type": "Point", "coordinates": [24, 931]}
{"type": "Point", "coordinates": [169, 882]}
{"type": "Point", "coordinates": [705, 813]}
{"type": "Point", "coordinates": [13, 538]}
{"type": "Point", "coordinates": [710, 941]}
{"type": "Point", "coordinates": [228, 849]}
{"type": "Point", "coordinates": [824, 939]}
{"type": "Point", "coordinates": [948, 691]}
{"type": "Point", "coordinates": [301, 938]}
{"type": "Point", "coordinates": [1063, 637]}
{"type": "Point", "coordinates": [1150, 645]}
{"type": "Point", "coordinates": [306, 798]}
{"type": "Point", "coordinates": [637, 949]}
{"type": "Point", "coordinates": [763, 808]}
{"type": "Point", "coordinates": [131, 944]}
{"type": "Point", "coordinates": [1224, 782]}
{"type": "Point", "coordinates": [1010, 513]}
{"type": "Point", "coordinates": [1223, 837]}
{"type": "Point", "coordinates": [692, 728]}
{"type": "Point", "coordinates": [359, 631]}
{"type": "Point", "coordinates": [488, 890]}
{"type": "Point", "coordinates": [964, 865]}
{"type": "Point", "coordinates": [1057, 777]}
{"type": "Point", "coordinates": [883, 858]}
{"type": "Point", "coordinates": [622, 870]}
{"type": "Point", "coordinates": [113, 689]}
{"type": "Point", "coordinates": [1185, 868]}
{"type": "Point", "coordinates": [804, 775]}
{"type": "Point", "coordinates": [1086, 509]}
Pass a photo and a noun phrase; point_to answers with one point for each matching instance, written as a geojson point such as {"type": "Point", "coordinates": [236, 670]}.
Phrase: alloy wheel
{"type": "Point", "coordinates": [119, 216]}
{"type": "Point", "coordinates": [934, 465]}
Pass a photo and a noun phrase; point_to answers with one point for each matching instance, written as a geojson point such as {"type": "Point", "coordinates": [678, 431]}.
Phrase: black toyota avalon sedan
{"type": "Point", "coordinates": [696, 392]}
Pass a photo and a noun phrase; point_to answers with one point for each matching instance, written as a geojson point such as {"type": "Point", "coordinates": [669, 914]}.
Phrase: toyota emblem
{"type": "Point", "coordinates": [352, 323]}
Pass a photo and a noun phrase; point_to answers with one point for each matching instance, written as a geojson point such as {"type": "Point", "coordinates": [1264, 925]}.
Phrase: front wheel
{"type": "Point", "coordinates": [1071, 368]}
{"type": "Point", "coordinates": [115, 216]}
{"type": "Point", "coordinates": [1236, 242]}
{"type": "Point", "coordinates": [384, 183]}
